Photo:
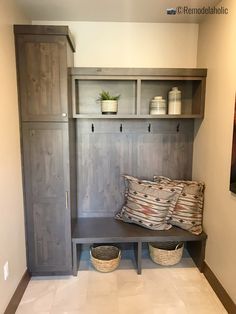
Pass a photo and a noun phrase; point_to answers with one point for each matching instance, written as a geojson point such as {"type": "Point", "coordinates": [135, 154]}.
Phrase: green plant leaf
{"type": "Point", "coordinates": [105, 95]}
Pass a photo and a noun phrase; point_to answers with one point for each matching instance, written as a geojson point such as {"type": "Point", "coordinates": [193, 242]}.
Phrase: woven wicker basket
{"type": "Point", "coordinates": [166, 253]}
{"type": "Point", "coordinates": [105, 258]}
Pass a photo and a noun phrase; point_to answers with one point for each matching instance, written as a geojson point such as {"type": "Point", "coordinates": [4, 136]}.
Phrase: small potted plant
{"type": "Point", "coordinates": [109, 103]}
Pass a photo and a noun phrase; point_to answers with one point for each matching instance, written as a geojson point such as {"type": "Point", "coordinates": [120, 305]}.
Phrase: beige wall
{"type": "Point", "coordinates": [111, 44]}
{"type": "Point", "coordinates": [140, 45]}
{"type": "Point", "coordinates": [212, 148]}
{"type": "Point", "coordinates": [12, 240]}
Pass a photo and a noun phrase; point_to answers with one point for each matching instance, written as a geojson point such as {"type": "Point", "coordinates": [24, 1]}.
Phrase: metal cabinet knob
{"type": "Point", "coordinates": [64, 114]}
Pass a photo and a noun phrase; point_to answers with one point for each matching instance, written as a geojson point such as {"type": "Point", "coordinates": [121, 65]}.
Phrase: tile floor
{"type": "Point", "coordinates": [177, 289]}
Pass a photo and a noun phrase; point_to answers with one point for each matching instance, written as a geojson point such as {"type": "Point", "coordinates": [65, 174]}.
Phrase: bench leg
{"type": "Point", "coordinates": [138, 256]}
{"type": "Point", "coordinates": [196, 250]}
{"type": "Point", "coordinates": [74, 258]}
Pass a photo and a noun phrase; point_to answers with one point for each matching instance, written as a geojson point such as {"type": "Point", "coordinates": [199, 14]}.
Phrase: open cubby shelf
{"type": "Point", "coordinates": [136, 88]}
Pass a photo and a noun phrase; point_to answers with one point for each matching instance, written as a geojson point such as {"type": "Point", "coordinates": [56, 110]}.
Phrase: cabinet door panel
{"type": "Point", "coordinates": [42, 70]}
{"type": "Point", "coordinates": [46, 163]}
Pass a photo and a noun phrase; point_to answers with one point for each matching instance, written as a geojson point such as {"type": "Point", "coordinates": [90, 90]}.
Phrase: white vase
{"type": "Point", "coordinates": [174, 104]}
{"type": "Point", "coordinates": [109, 106]}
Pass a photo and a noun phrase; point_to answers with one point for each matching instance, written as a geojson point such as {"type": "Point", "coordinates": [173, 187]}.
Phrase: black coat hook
{"type": "Point", "coordinates": [177, 128]}
{"type": "Point", "coordinates": [121, 128]}
{"type": "Point", "coordinates": [149, 127]}
{"type": "Point", "coordinates": [92, 127]}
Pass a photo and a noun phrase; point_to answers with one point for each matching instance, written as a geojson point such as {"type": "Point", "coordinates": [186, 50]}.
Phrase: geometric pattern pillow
{"type": "Point", "coordinates": [149, 203]}
{"type": "Point", "coordinates": [188, 211]}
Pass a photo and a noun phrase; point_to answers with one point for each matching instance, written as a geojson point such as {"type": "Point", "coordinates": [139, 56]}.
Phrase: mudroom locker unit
{"type": "Point", "coordinates": [73, 157]}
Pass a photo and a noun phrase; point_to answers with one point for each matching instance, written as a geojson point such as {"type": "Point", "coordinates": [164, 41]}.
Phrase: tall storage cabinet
{"type": "Point", "coordinates": [44, 54]}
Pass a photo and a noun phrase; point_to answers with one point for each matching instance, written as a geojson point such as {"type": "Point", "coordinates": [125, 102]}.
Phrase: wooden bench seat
{"type": "Point", "coordinates": [110, 230]}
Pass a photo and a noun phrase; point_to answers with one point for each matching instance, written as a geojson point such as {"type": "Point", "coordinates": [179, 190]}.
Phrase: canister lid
{"type": "Point", "coordinates": [175, 90]}
{"type": "Point", "coordinates": [158, 101]}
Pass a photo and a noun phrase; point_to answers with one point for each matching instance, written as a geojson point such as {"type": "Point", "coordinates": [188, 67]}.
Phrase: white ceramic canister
{"type": "Point", "coordinates": [157, 105]}
{"type": "Point", "coordinates": [174, 104]}
{"type": "Point", "coordinates": [109, 106]}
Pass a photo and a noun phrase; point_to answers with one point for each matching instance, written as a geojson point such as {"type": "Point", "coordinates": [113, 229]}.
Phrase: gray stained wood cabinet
{"type": "Point", "coordinates": [43, 55]}
{"type": "Point", "coordinates": [43, 59]}
{"type": "Point", "coordinates": [46, 176]}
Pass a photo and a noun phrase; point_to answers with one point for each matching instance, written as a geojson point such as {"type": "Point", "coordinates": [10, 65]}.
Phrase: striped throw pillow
{"type": "Point", "coordinates": [188, 211]}
{"type": "Point", "coordinates": [148, 204]}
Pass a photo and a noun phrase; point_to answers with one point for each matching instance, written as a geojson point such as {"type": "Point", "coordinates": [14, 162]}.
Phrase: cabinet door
{"type": "Point", "coordinates": [46, 179]}
{"type": "Point", "coordinates": [42, 77]}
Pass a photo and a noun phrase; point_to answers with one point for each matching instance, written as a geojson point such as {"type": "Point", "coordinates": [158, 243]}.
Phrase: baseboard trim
{"type": "Point", "coordinates": [222, 294]}
{"type": "Point", "coordinates": [18, 294]}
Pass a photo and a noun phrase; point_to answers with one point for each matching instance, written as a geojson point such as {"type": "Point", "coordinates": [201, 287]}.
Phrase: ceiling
{"type": "Point", "coordinates": [145, 11]}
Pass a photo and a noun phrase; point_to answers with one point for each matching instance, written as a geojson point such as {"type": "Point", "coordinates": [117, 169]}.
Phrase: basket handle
{"type": "Point", "coordinates": [92, 248]}
{"type": "Point", "coordinates": [178, 245]}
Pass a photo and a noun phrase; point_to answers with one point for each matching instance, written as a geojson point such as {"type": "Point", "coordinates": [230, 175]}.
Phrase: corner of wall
{"type": "Point", "coordinates": [213, 142]}
{"type": "Point", "coordinates": [12, 239]}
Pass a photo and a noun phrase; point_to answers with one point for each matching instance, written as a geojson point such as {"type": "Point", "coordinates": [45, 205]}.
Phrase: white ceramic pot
{"type": "Point", "coordinates": [109, 106]}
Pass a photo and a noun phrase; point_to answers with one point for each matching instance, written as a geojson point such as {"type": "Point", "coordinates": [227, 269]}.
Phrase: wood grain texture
{"type": "Point", "coordinates": [137, 88]}
{"type": "Point", "coordinates": [72, 168]}
{"type": "Point", "coordinates": [104, 155]}
{"type": "Point", "coordinates": [46, 30]}
{"type": "Point", "coordinates": [140, 71]}
{"type": "Point", "coordinates": [137, 117]}
{"type": "Point", "coordinates": [46, 180]}
{"type": "Point", "coordinates": [42, 77]}
{"type": "Point", "coordinates": [152, 88]}
{"type": "Point", "coordinates": [43, 55]}
{"type": "Point", "coordinates": [110, 230]}
{"type": "Point", "coordinates": [87, 93]}
{"type": "Point", "coordinates": [107, 229]}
